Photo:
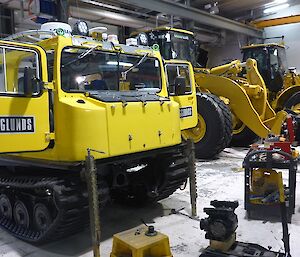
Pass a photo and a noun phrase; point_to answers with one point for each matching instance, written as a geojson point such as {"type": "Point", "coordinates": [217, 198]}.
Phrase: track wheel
{"type": "Point", "coordinates": [293, 103]}
{"type": "Point", "coordinates": [5, 207]}
{"type": "Point", "coordinates": [41, 216]}
{"type": "Point", "coordinates": [21, 214]}
{"type": "Point", "coordinates": [213, 131]}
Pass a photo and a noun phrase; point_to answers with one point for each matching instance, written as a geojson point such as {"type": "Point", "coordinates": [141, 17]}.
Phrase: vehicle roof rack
{"type": "Point", "coordinates": [31, 36]}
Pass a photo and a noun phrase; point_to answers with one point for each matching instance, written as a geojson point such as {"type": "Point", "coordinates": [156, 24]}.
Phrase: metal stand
{"type": "Point", "coordinates": [192, 176]}
{"type": "Point", "coordinates": [266, 159]}
{"type": "Point", "coordinates": [91, 180]}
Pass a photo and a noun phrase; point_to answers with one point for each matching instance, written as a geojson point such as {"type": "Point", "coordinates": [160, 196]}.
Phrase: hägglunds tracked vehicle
{"type": "Point", "coordinates": [62, 94]}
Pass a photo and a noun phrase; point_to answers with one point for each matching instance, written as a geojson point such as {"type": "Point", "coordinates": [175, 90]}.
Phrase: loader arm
{"type": "Point", "coordinates": [240, 103]}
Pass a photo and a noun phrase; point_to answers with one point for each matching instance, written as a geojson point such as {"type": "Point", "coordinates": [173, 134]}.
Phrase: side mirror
{"type": "Point", "coordinates": [28, 81]}
{"type": "Point", "coordinates": [180, 85]}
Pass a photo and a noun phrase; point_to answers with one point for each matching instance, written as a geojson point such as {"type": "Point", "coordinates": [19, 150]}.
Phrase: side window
{"type": "Point", "coordinates": [179, 82]}
{"type": "Point", "coordinates": [13, 63]}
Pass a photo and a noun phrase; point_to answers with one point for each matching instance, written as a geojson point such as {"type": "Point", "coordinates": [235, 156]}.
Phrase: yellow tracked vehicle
{"type": "Point", "coordinates": [246, 97]}
{"type": "Point", "coordinates": [61, 94]}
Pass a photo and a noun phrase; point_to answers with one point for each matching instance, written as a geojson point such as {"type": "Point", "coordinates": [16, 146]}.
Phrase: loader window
{"type": "Point", "coordinates": [174, 72]}
{"type": "Point", "coordinates": [13, 62]}
{"type": "Point", "coordinates": [99, 70]}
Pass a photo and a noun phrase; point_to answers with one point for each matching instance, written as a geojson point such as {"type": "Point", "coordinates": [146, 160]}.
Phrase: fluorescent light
{"type": "Point", "coordinates": [279, 1]}
{"type": "Point", "coordinates": [276, 8]}
{"type": "Point", "coordinates": [125, 64]}
{"type": "Point", "coordinates": [275, 2]}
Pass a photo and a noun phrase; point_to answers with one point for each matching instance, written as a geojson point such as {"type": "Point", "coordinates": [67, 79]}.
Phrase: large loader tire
{"type": "Point", "coordinates": [243, 137]}
{"type": "Point", "coordinates": [293, 103]}
{"type": "Point", "coordinates": [214, 128]}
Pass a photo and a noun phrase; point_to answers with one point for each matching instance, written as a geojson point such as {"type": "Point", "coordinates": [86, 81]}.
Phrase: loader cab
{"type": "Point", "coordinates": [174, 44]}
{"type": "Point", "coordinates": [271, 61]}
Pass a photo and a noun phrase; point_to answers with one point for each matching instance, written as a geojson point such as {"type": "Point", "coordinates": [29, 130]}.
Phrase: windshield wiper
{"type": "Point", "coordinates": [142, 60]}
{"type": "Point", "coordinates": [82, 55]}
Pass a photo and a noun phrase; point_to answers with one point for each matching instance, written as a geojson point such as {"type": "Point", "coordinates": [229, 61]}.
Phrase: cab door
{"type": "Point", "coordinates": [24, 103]}
{"type": "Point", "coordinates": [181, 85]}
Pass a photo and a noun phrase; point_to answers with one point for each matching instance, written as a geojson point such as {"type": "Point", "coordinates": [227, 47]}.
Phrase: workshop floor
{"type": "Point", "coordinates": [220, 179]}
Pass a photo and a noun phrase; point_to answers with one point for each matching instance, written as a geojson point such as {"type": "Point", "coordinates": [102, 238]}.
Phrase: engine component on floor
{"type": "Point", "coordinates": [230, 247]}
{"type": "Point", "coordinates": [141, 241]}
{"type": "Point", "coordinates": [221, 222]}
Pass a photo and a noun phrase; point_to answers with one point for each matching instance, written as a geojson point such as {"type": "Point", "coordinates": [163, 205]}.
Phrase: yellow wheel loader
{"type": "Point", "coordinates": [282, 83]}
{"type": "Point", "coordinates": [246, 97]}
{"type": "Point", "coordinates": [61, 95]}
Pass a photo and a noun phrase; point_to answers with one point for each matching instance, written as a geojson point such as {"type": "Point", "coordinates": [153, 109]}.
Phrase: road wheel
{"type": "Point", "coordinates": [293, 103]}
{"type": "Point", "coordinates": [21, 214]}
{"type": "Point", "coordinates": [213, 131]}
{"type": "Point", "coordinates": [242, 135]}
{"type": "Point", "coordinates": [5, 207]}
{"type": "Point", "coordinates": [42, 217]}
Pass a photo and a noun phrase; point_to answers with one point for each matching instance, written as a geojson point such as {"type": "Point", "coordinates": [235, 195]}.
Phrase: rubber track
{"type": "Point", "coordinates": [176, 173]}
{"type": "Point", "coordinates": [72, 207]}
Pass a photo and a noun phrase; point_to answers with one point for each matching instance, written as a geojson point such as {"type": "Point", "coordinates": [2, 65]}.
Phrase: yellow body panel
{"type": "Point", "coordinates": [262, 45]}
{"type": "Point", "coordinates": [19, 107]}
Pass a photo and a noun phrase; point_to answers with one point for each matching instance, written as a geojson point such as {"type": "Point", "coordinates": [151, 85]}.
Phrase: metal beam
{"type": "Point", "coordinates": [196, 15]}
{"type": "Point", "coordinates": [277, 21]}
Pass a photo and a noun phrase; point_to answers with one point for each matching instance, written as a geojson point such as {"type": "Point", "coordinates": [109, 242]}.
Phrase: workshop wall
{"type": "Point", "coordinates": [230, 49]}
{"type": "Point", "coordinates": [291, 36]}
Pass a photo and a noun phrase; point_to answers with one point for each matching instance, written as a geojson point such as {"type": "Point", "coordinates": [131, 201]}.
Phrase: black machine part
{"type": "Point", "coordinates": [222, 221]}
{"type": "Point", "coordinates": [240, 249]}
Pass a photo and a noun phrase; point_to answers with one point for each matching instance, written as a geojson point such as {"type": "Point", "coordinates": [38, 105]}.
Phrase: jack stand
{"type": "Point", "coordinates": [91, 180]}
{"type": "Point", "coordinates": [192, 176]}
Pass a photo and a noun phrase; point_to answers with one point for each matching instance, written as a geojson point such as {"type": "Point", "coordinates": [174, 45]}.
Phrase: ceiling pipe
{"type": "Point", "coordinates": [195, 15]}
{"type": "Point", "coordinates": [109, 17]}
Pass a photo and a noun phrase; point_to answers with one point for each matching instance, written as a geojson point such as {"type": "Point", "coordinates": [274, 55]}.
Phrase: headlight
{"type": "Point", "coordinates": [81, 28]}
{"type": "Point", "coordinates": [143, 39]}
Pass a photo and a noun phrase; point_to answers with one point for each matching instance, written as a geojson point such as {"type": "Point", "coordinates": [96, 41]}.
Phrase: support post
{"type": "Point", "coordinates": [192, 176]}
{"type": "Point", "coordinates": [91, 180]}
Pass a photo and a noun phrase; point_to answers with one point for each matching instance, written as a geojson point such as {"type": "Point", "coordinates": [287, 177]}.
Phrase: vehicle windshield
{"type": "Point", "coordinates": [260, 55]}
{"type": "Point", "coordinates": [183, 47]}
{"type": "Point", "coordinates": [175, 45]}
{"type": "Point", "coordinates": [271, 63]}
{"type": "Point", "coordinates": [101, 70]}
{"type": "Point", "coordinates": [276, 59]}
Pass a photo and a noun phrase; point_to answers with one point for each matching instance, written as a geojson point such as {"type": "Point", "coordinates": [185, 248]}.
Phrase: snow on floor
{"type": "Point", "coordinates": [221, 179]}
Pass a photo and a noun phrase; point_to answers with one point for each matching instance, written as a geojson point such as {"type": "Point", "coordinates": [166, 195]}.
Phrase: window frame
{"type": "Point", "coordinates": [167, 78]}
{"type": "Point", "coordinates": [161, 66]}
{"type": "Point", "coordinates": [38, 69]}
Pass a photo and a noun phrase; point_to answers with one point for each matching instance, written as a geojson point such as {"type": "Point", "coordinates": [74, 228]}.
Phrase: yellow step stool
{"type": "Point", "coordinates": [141, 242]}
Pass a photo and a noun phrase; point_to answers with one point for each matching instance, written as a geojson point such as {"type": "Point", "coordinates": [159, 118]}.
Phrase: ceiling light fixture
{"type": "Point", "coordinates": [276, 8]}
{"type": "Point", "coordinates": [274, 3]}
{"type": "Point", "coordinates": [279, 1]}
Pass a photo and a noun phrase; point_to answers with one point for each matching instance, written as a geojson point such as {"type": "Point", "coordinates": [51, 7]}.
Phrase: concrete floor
{"type": "Point", "coordinates": [220, 179]}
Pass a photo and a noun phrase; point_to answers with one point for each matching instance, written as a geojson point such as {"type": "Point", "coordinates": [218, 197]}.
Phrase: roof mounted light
{"type": "Point", "coordinates": [142, 39]}
{"type": "Point", "coordinates": [81, 28]}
